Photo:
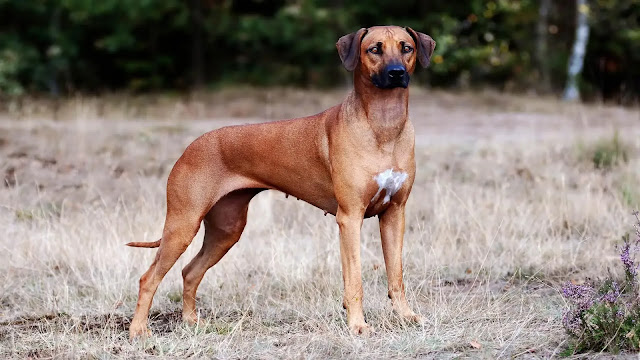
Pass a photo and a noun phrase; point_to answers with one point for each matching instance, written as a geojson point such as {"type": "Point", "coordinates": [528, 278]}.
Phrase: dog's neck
{"type": "Point", "coordinates": [386, 110]}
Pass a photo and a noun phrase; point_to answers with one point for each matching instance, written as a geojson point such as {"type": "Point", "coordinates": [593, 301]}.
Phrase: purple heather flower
{"type": "Point", "coordinates": [572, 322]}
{"type": "Point", "coordinates": [580, 295]}
{"type": "Point", "coordinates": [628, 250]}
{"type": "Point", "coordinates": [626, 256]}
{"type": "Point", "coordinates": [613, 294]}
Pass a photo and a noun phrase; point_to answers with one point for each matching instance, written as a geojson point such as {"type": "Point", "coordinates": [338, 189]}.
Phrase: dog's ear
{"type": "Point", "coordinates": [424, 45]}
{"type": "Point", "coordinates": [349, 48]}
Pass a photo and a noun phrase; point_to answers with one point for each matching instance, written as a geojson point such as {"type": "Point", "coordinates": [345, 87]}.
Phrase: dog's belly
{"type": "Point", "coordinates": [318, 194]}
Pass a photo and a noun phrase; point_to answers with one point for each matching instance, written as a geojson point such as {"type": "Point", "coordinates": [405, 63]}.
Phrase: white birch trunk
{"type": "Point", "coordinates": [576, 60]}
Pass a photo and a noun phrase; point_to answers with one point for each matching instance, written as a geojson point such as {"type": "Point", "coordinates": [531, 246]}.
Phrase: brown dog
{"type": "Point", "coordinates": [354, 160]}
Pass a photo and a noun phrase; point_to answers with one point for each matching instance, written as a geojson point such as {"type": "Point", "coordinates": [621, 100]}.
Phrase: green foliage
{"type": "Point", "coordinates": [484, 46]}
{"type": "Point", "coordinates": [605, 153]}
{"type": "Point", "coordinates": [610, 328]}
{"type": "Point", "coordinates": [9, 68]}
{"type": "Point", "coordinates": [61, 46]}
{"type": "Point", "coordinates": [174, 296]}
{"type": "Point", "coordinates": [614, 46]}
{"type": "Point", "coordinates": [610, 152]}
{"type": "Point", "coordinates": [630, 195]}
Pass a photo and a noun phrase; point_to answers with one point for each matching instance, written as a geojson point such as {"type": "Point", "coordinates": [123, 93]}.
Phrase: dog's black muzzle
{"type": "Point", "coordinates": [392, 76]}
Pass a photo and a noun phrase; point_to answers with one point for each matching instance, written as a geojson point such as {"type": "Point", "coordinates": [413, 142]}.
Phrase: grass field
{"type": "Point", "coordinates": [507, 205]}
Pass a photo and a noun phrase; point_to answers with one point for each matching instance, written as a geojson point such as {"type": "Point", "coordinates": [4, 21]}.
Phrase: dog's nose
{"type": "Point", "coordinates": [391, 76]}
{"type": "Point", "coordinates": [396, 72]}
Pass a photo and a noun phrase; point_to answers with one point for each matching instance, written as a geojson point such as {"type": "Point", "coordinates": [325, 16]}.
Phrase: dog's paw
{"type": "Point", "coordinates": [362, 329]}
{"type": "Point", "coordinates": [197, 325]}
{"type": "Point", "coordinates": [403, 310]}
{"type": "Point", "coordinates": [139, 331]}
{"type": "Point", "coordinates": [413, 318]}
{"type": "Point", "coordinates": [191, 319]}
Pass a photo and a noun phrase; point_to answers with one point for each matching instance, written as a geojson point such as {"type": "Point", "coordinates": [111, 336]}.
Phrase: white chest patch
{"type": "Point", "coordinates": [390, 181]}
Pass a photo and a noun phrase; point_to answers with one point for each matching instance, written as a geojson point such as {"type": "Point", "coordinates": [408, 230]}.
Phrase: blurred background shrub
{"type": "Point", "coordinates": [66, 46]}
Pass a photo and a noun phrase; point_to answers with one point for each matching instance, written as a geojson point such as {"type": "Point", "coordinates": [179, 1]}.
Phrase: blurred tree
{"type": "Point", "coordinates": [542, 53]}
{"type": "Point", "coordinates": [197, 44]}
{"type": "Point", "coordinates": [576, 60]}
{"type": "Point", "coordinates": [612, 66]}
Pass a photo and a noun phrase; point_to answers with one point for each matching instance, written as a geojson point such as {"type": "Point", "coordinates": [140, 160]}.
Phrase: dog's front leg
{"type": "Point", "coordinates": [350, 222]}
{"type": "Point", "coordinates": [392, 235]}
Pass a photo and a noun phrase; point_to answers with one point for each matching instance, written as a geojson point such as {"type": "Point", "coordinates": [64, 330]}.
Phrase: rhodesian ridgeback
{"type": "Point", "coordinates": [354, 160]}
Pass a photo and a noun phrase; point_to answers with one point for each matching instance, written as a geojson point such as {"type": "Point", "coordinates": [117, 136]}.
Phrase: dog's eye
{"type": "Point", "coordinates": [374, 50]}
{"type": "Point", "coordinates": [407, 49]}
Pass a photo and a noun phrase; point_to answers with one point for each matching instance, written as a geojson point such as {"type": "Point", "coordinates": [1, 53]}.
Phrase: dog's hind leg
{"type": "Point", "coordinates": [176, 237]}
{"type": "Point", "coordinates": [175, 241]}
{"type": "Point", "coordinates": [186, 207]}
{"type": "Point", "coordinates": [224, 224]}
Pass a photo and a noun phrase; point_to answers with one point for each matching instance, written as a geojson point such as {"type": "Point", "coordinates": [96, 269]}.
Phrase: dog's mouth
{"type": "Point", "coordinates": [383, 81]}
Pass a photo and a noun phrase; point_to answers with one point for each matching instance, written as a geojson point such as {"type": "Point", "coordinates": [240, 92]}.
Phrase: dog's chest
{"type": "Point", "coordinates": [389, 182]}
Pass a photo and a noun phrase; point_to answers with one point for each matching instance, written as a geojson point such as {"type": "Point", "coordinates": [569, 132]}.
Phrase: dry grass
{"type": "Point", "coordinates": [507, 205]}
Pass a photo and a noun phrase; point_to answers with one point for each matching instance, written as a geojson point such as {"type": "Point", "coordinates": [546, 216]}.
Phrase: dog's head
{"type": "Point", "coordinates": [385, 54]}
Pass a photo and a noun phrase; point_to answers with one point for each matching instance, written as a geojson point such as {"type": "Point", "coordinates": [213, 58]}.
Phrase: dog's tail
{"type": "Point", "coordinates": [142, 244]}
